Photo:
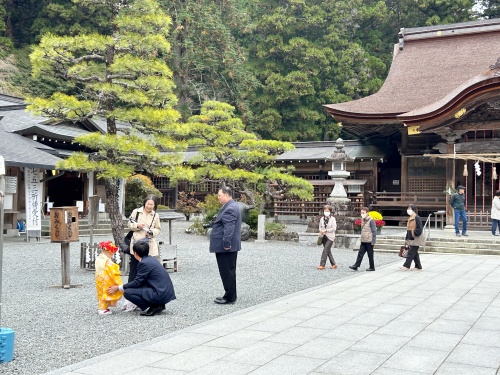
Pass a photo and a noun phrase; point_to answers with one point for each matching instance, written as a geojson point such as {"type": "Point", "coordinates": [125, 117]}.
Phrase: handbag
{"type": "Point", "coordinates": [126, 242]}
{"type": "Point", "coordinates": [319, 241]}
{"type": "Point", "coordinates": [128, 238]}
{"type": "Point", "coordinates": [321, 238]}
{"type": "Point", "coordinates": [403, 251]}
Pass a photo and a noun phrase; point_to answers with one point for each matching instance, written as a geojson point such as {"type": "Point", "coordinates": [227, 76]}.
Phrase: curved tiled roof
{"type": "Point", "coordinates": [19, 151]}
{"type": "Point", "coordinates": [59, 131]}
{"type": "Point", "coordinates": [432, 63]}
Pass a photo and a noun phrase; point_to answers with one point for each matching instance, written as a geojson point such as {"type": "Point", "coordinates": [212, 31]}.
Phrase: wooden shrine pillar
{"type": "Point", "coordinates": [450, 181]}
{"type": "Point", "coordinates": [404, 161]}
{"type": "Point", "coordinates": [451, 136]}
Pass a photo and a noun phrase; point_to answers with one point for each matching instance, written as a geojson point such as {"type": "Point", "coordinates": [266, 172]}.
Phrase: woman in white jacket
{"type": "Point", "coordinates": [327, 227]}
{"type": "Point", "coordinates": [495, 214]}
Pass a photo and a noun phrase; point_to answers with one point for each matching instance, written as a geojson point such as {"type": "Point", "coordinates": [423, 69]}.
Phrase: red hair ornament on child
{"type": "Point", "coordinates": [108, 246]}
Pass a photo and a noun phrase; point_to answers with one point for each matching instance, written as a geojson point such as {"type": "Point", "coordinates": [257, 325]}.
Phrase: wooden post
{"type": "Point", "coordinates": [65, 263]}
{"type": "Point", "coordinates": [450, 181]}
{"type": "Point", "coordinates": [404, 161]}
{"type": "Point", "coordinates": [63, 230]}
{"type": "Point", "coordinates": [404, 174]}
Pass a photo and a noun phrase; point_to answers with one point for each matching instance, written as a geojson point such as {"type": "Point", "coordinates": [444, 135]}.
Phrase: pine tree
{"type": "Point", "coordinates": [230, 155]}
{"type": "Point", "coordinates": [120, 77]}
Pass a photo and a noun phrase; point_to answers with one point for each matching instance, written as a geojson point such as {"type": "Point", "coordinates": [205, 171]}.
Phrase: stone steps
{"type": "Point", "coordinates": [445, 245]}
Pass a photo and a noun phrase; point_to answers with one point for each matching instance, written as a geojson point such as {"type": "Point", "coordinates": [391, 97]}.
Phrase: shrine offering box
{"type": "Point", "coordinates": [64, 224]}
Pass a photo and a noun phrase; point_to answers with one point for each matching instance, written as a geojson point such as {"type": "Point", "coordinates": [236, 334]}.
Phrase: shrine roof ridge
{"type": "Point", "coordinates": [452, 29]}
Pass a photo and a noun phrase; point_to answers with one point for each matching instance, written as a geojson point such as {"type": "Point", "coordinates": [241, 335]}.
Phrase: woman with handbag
{"type": "Point", "coordinates": [145, 223]}
{"type": "Point", "coordinates": [327, 228]}
{"type": "Point", "coordinates": [414, 238]}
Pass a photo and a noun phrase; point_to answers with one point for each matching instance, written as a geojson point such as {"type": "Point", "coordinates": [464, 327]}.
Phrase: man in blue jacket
{"type": "Point", "coordinates": [151, 288]}
{"type": "Point", "coordinates": [225, 242]}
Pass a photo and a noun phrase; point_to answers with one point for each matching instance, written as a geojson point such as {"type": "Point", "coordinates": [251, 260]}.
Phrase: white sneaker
{"type": "Point", "coordinates": [130, 307]}
{"type": "Point", "coordinates": [104, 312]}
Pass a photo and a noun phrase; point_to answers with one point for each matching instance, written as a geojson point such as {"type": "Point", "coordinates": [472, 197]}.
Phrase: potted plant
{"type": "Point", "coordinates": [357, 226]}
{"type": "Point", "coordinates": [187, 204]}
{"type": "Point", "coordinates": [379, 222]}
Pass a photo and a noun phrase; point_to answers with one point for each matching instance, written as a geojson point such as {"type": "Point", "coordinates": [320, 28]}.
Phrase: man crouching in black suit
{"type": "Point", "coordinates": [152, 288]}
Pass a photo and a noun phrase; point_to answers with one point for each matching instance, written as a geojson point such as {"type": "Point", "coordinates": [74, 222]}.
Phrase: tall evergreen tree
{"type": "Point", "coordinates": [306, 54]}
{"type": "Point", "coordinates": [18, 18]}
{"type": "Point", "coordinates": [410, 13]}
{"type": "Point", "coordinates": [488, 8]}
{"type": "Point", "coordinates": [122, 78]}
{"type": "Point", "coordinates": [4, 41]}
{"type": "Point", "coordinates": [208, 61]}
{"type": "Point", "coordinates": [71, 17]}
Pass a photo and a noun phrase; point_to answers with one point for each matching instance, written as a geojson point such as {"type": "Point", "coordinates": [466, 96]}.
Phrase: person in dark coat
{"type": "Point", "coordinates": [457, 201]}
{"type": "Point", "coordinates": [415, 237]}
{"type": "Point", "coordinates": [225, 242]}
{"type": "Point", "coordinates": [151, 288]}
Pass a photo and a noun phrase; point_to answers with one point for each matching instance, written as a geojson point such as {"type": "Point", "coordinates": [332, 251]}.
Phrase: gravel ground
{"type": "Point", "coordinates": [56, 327]}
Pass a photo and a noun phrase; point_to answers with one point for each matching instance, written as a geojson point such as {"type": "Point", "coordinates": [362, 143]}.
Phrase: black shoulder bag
{"type": "Point", "coordinates": [128, 238]}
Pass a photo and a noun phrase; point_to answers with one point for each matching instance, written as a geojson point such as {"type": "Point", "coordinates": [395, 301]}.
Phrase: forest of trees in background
{"type": "Point", "coordinates": [276, 61]}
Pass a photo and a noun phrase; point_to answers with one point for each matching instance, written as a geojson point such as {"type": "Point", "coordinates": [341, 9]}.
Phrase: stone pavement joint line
{"type": "Point", "coordinates": [442, 320]}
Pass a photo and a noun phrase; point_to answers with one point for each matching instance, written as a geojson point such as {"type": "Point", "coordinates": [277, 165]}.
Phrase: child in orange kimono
{"type": "Point", "coordinates": [107, 273]}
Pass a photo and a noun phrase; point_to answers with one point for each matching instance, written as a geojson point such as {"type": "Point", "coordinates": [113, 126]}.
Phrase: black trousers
{"type": "Point", "coordinates": [135, 295]}
{"type": "Point", "coordinates": [132, 269]}
{"type": "Point", "coordinates": [366, 247]}
{"type": "Point", "coordinates": [413, 256]}
{"type": "Point", "coordinates": [227, 270]}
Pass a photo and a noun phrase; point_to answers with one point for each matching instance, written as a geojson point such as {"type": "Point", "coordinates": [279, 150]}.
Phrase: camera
{"type": "Point", "coordinates": [210, 224]}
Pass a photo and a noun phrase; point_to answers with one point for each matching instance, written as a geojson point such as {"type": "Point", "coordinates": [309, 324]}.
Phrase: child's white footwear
{"type": "Point", "coordinates": [129, 306]}
{"type": "Point", "coordinates": [104, 312]}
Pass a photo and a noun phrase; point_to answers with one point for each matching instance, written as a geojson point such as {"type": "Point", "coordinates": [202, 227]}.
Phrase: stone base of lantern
{"type": "Point", "coordinates": [344, 213]}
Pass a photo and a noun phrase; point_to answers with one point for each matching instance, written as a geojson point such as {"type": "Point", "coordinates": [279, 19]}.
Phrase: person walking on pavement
{"type": "Point", "coordinates": [457, 201]}
{"type": "Point", "coordinates": [225, 242]}
{"type": "Point", "coordinates": [414, 238]}
{"type": "Point", "coordinates": [495, 214]}
{"type": "Point", "coordinates": [368, 238]}
{"type": "Point", "coordinates": [327, 228]}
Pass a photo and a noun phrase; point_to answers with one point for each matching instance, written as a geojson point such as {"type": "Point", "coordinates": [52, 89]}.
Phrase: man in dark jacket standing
{"type": "Point", "coordinates": [457, 201]}
{"type": "Point", "coordinates": [225, 242]}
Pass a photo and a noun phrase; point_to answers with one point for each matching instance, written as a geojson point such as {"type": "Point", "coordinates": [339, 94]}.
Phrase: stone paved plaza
{"type": "Point", "coordinates": [289, 318]}
{"type": "Point", "coordinates": [442, 320]}
{"type": "Point", "coordinates": [55, 327]}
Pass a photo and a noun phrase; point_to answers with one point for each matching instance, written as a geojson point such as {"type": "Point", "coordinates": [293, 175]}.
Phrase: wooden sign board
{"type": "Point", "coordinates": [64, 224]}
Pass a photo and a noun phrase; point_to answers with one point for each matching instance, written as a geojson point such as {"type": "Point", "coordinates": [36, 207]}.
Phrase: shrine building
{"type": "Point", "coordinates": [440, 108]}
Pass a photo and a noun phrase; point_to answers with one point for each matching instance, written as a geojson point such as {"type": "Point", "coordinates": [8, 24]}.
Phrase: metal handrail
{"type": "Point", "coordinates": [428, 226]}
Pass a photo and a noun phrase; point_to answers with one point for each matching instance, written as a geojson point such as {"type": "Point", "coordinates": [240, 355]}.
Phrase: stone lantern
{"type": "Point", "coordinates": [339, 172]}
{"type": "Point", "coordinates": [342, 207]}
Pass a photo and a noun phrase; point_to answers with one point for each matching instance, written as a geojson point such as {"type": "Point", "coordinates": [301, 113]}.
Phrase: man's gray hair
{"type": "Point", "coordinates": [226, 190]}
